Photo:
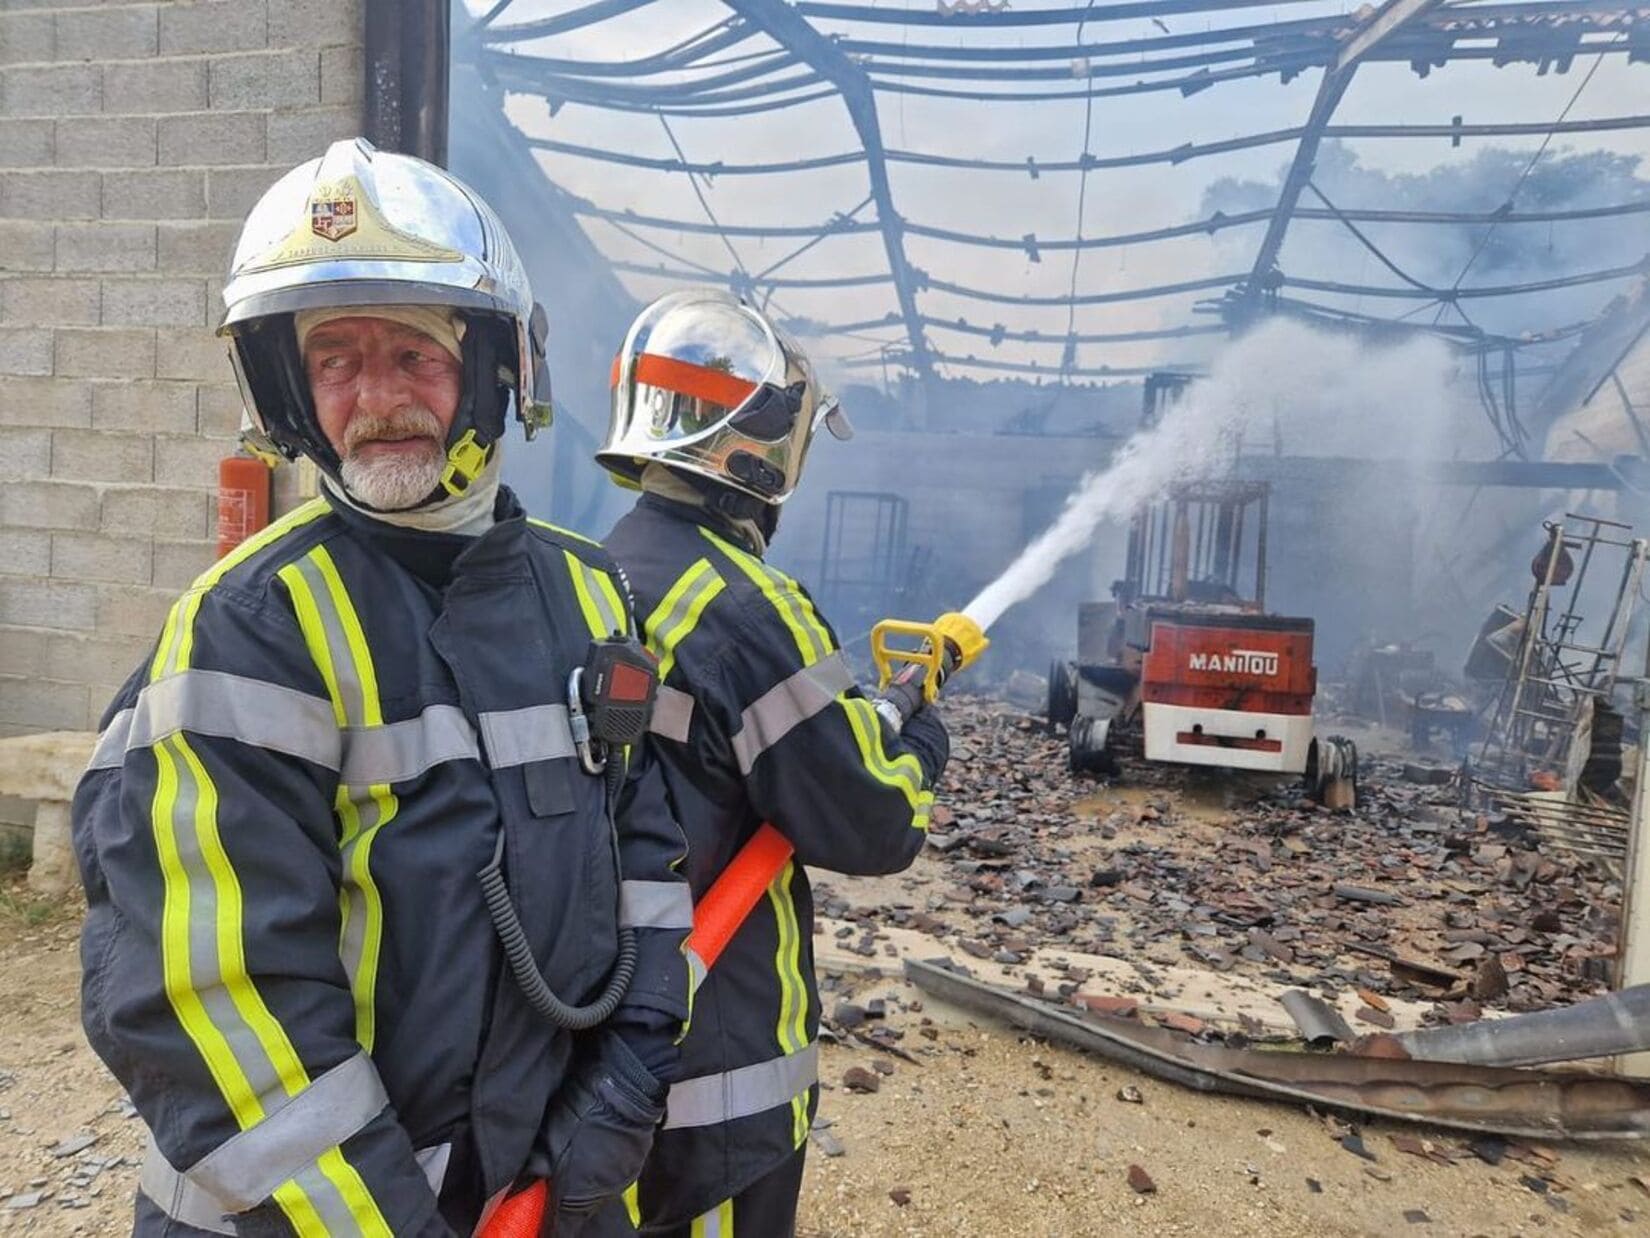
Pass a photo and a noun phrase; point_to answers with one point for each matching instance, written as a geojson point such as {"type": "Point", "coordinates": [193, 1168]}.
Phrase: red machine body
{"type": "Point", "coordinates": [1228, 689]}
{"type": "Point", "coordinates": [1258, 663]}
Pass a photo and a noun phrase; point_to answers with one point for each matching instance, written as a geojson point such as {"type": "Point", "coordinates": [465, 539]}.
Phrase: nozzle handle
{"type": "Point", "coordinates": [948, 644]}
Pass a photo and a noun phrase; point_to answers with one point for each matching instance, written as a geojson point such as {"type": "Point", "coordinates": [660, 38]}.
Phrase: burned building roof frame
{"type": "Point", "coordinates": [798, 61]}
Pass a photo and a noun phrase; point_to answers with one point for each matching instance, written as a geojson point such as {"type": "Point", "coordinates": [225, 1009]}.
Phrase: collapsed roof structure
{"type": "Point", "coordinates": [876, 278]}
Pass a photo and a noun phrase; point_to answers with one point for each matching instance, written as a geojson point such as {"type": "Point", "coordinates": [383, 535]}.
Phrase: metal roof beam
{"type": "Point", "coordinates": [790, 30]}
{"type": "Point", "coordinates": [1388, 18]}
{"type": "Point", "coordinates": [1034, 168]}
{"type": "Point", "coordinates": [1075, 15]}
{"type": "Point", "coordinates": [543, 27]}
{"type": "Point", "coordinates": [1023, 367]}
{"type": "Point", "coordinates": [1481, 21]}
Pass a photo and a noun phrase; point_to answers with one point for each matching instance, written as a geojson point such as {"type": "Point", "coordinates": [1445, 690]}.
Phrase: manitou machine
{"type": "Point", "coordinates": [1188, 649]}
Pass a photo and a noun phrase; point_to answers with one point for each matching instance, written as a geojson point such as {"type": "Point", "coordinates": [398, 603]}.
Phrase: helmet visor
{"type": "Point", "coordinates": [692, 368]}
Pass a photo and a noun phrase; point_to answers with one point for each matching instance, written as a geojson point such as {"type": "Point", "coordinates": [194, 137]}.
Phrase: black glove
{"type": "Point", "coordinates": [600, 1129]}
{"type": "Point", "coordinates": [924, 736]}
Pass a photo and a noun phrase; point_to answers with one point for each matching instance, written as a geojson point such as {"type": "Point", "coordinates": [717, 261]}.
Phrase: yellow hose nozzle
{"type": "Point", "coordinates": [948, 644]}
{"type": "Point", "coordinates": [963, 634]}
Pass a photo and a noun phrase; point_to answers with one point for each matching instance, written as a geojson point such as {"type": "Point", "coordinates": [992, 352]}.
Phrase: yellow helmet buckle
{"type": "Point", "coordinates": [465, 461]}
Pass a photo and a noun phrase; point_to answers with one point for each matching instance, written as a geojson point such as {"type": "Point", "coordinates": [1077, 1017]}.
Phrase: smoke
{"type": "Point", "coordinates": [1322, 394]}
{"type": "Point", "coordinates": [1438, 254]}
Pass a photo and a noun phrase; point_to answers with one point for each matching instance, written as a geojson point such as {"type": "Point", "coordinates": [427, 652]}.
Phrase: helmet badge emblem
{"type": "Point", "coordinates": [332, 219]}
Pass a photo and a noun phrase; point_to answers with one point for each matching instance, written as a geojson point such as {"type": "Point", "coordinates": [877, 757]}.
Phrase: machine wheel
{"type": "Point", "coordinates": [1089, 753]}
{"type": "Point", "coordinates": [1332, 772]}
{"type": "Point", "coordinates": [1062, 692]}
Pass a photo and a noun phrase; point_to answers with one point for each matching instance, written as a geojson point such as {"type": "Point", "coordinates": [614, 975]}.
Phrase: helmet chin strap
{"type": "Point", "coordinates": [470, 511]}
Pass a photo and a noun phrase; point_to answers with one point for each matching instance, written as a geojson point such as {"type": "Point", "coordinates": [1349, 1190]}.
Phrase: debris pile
{"type": "Point", "coordinates": [1139, 1156]}
{"type": "Point", "coordinates": [1404, 897]}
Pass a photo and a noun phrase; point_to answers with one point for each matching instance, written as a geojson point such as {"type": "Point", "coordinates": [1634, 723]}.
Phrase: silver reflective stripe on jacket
{"type": "Point", "coordinates": [788, 704]}
{"type": "Point", "coordinates": [266, 715]}
{"type": "Point", "coordinates": [226, 706]}
{"type": "Point", "coordinates": [183, 1201]}
{"type": "Point", "coordinates": [248, 1167]}
{"type": "Point", "coordinates": [521, 736]}
{"type": "Point", "coordinates": [711, 1100]}
{"type": "Point", "coordinates": [672, 714]}
{"type": "Point", "coordinates": [180, 1198]}
{"type": "Point", "coordinates": [655, 904]}
{"type": "Point", "coordinates": [400, 751]}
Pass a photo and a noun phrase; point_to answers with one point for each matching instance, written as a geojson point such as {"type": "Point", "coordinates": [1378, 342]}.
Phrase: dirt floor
{"type": "Point", "coordinates": [54, 1094]}
{"type": "Point", "coordinates": [972, 1129]}
{"type": "Point", "coordinates": [987, 1134]}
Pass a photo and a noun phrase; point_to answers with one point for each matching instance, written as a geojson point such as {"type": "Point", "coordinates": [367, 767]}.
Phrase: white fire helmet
{"type": "Point", "coordinates": [364, 227]}
{"type": "Point", "coordinates": [707, 385]}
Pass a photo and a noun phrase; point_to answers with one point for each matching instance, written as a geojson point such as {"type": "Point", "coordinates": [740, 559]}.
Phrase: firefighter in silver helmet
{"type": "Point", "coordinates": [371, 934]}
{"type": "Point", "coordinates": [759, 719]}
{"type": "Point", "coordinates": [420, 255]}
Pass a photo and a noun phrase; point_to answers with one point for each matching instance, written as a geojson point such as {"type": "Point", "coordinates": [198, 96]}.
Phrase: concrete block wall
{"type": "Point", "coordinates": [133, 138]}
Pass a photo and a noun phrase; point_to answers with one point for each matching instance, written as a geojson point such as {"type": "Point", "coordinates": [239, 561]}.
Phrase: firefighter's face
{"type": "Point", "coordinates": [385, 395]}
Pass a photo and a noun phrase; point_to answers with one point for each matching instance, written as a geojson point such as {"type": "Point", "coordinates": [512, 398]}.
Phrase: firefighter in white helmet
{"type": "Point", "coordinates": [373, 933]}
{"type": "Point", "coordinates": [759, 719]}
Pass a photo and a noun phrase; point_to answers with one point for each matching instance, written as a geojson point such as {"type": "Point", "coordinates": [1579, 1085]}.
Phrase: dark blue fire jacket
{"type": "Point", "coordinates": [759, 719]}
{"type": "Point", "coordinates": [288, 961]}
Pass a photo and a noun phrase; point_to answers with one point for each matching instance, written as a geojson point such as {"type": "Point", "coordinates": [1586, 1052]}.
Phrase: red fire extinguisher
{"type": "Point", "coordinates": [243, 499]}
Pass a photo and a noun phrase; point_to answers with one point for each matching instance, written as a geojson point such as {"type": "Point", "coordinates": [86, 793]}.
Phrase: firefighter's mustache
{"type": "Point", "coordinates": [412, 423]}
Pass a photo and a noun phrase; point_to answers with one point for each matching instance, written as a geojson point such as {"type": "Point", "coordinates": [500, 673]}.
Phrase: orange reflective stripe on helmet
{"type": "Point", "coordinates": [702, 382]}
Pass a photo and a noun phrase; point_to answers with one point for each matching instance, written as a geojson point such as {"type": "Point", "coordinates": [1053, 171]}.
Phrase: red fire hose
{"type": "Point", "coordinates": [520, 1215]}
{"type": "Point", "coordinates": [731, 897]}
{"type": "Point", "coordinates": [716, 918]}
{"type": "Point", "coordinates": [948, 644]}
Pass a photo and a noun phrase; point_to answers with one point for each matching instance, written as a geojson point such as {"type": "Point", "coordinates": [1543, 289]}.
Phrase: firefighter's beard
{"type": "Point", "coordinates": [392, 463]}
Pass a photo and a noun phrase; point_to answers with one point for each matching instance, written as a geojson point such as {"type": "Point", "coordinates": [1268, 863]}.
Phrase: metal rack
{"type": "Point", "coordinates": [1557, 678]}
{"type": "Point", "coordinates": [865, 559]}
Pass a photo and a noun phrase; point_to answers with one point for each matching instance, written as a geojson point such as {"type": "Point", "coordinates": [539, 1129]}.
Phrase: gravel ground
{"type": "Point", "coordinates": [990, 1134]}
{"type": "Point", "coordinates": [984, 1132]}
{"type": "Point", "coordinates": [995, 1134]}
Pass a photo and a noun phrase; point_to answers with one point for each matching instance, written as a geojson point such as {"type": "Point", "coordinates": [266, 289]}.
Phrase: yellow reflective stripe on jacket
{"type": "Point", "coordinates": [598, 599]}
{"type": "Point", "coordinates": [177, 636]}
{"type": "Point", "coordinates": [903, 772]}
{"type": "Point", "coordinates": [338, 644]}
{"type": "Point", "coordinates": [332, 1200]}
{"type": "Point", "coordinates": [679, 611]}
{"type": "Point", "coordinates": [812, 639]}
{"type": "Point", "coordinates": [792, 1032]}
{"type": "Point", "coordinates": [556, 528]}
{"type": "Point", "coordinates": [632, 1205]}
{"type": "Point", "coordinates": [203, 960]}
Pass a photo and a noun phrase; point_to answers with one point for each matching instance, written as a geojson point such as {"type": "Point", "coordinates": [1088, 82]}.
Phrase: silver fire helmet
{"type": "Point", "coordinates": [364, 227]}
{"type": "Point", "coordinates": [707, 385]}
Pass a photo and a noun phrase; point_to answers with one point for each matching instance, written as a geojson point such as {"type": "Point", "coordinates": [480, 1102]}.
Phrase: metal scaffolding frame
{"type": "Point", "coordinates": [768, 55]}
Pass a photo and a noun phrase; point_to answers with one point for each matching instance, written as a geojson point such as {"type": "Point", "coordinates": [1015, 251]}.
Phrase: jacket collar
{"type": "Point", "coordinates": [429, 556]}
{"type": "Point", "coordinates": [704, 517]}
